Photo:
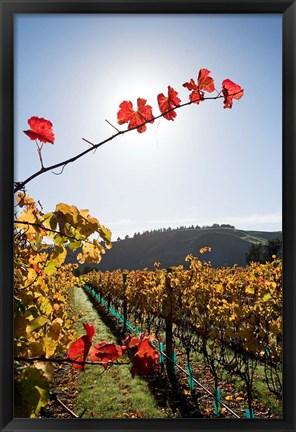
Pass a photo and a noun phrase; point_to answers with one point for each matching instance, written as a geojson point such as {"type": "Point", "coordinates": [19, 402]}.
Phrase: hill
{"type": "Point", "coordinates": [170, 248]}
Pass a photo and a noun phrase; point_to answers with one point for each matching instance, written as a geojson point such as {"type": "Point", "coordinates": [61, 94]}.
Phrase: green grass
{"type": "Point", "coordinates": [112, 393]}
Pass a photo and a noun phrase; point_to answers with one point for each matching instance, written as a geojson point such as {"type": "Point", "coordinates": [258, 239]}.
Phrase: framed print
{"type": "Point", "coordinates": [147, 215]}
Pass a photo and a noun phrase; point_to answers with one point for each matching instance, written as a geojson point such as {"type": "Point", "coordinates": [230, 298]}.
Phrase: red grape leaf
{"type": "Point", "coordinates": [231, 91]}
{"type": "Point", "coordinates": [196, 96]}
{"type": "Point", "coordinates": [40, 129]}
{"type": "Point", "coordinates": [126, 114]}
{"type": "Point", "coordinates": [168, 103]}
{"type": "Point", "coordinates": [146, 360]}
{"type": "Point", "coordinates": [79, 350]}
{"type": "Point", "coordinates": [191, 85]}
{"type": "Point", "coordinates": [146, 349]}
{"type": "Point", "coordinates": [131, 342]}
{"type": "Point", "coordinates": [106, 352]}
{"type": "Point", "coordinates": [90, 330]}
{"type": "Point", "coordinates": [205, 82]}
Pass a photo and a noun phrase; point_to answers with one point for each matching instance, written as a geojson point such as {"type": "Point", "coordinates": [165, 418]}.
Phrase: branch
{"type": "Point", "coordinates": [20, 185]}
{"type": "Point", "coordinates": [67, 360]}
{"type": "Point", "coordinates": [34, 224]}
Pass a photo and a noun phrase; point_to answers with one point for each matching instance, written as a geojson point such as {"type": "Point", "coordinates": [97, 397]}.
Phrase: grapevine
{"type": "Point", "coordinates": [232, 316]}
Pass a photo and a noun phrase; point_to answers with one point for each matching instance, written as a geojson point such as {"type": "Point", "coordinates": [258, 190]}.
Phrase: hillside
{"type": "Point", "coordinates": [170, 248]}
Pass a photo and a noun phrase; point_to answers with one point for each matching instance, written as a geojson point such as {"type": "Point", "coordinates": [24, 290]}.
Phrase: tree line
{"type": "Point", "coordinates": [179, 228]}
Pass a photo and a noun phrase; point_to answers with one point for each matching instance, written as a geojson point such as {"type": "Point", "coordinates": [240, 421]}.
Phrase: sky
{"type": "Point", "coordinates": [209, 165]}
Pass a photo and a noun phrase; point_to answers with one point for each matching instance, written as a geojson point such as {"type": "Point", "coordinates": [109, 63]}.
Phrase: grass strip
{"type": "Point", "coordinates": [112, 393]}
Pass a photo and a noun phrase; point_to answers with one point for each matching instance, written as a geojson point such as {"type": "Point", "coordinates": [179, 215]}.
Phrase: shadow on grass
{"type": "Point", "coordinates": [171, 395]}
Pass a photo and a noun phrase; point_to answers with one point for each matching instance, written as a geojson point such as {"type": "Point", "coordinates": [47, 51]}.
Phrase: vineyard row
{"type": "Point", "coordinates": [232, 316]}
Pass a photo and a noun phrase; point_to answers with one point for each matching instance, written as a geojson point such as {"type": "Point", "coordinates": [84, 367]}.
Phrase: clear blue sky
{"type": "Point", "coordinates": [211, 165]}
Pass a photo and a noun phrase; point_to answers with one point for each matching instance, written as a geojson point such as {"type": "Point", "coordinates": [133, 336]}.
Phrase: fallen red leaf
{"type": "Point", "coordinates": [41, 129]}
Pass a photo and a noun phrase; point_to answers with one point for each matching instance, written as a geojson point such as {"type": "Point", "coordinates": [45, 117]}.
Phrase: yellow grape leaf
{"type": "Point", "coordinates": [105, 233]}
{"type": "Point", "coordinates": [266, 297]}
{"type": "Point", "coordinates": [26, 216]}
{"type": "Point", "coordinates": [74, 244]}
{"type": "Point", "coordinates": [91, 252]}
{"type": "Point", "coordinates": [58, 255]}
{"type": "Point", "coordinates": [65, 209]}
{"type": "Point", "coordinates": [219, 288]}
{"type": "Point", "coordinates": [64, 215]}
{"type": "Point", "coordinates": [84, 213]}
{"type": "Point", "coordinates": [36, 323]}
{"type": "Point", "coordinates": [50, 222]}
{"type": "Point", "coordinates": [81, 258]}
{"type": "Point", "coordinates": [97, 244]}
{"type": "Point", "coordinates": [38, 258]}
{"type": "Point", "coordinates": [29, 277]}
{"type": "Point", "coordinates": [249, 290]}
{"type": "Point", "coordinates": [57, 258]}
{"type": "Point", "coordinates": [205, 249]}
{"type": "Point", "coordinates": [55, 329]}
{"type": "Point", "coordinates": [45, 306]}
{"type": "Point", "coordinates": [24, 200]}
{"type": "Point", "coordinates": [50, 268]}
{"type": "Point", "coordinates": [35, 349]}
{"type": "Point", "coordinates": [49, 346]}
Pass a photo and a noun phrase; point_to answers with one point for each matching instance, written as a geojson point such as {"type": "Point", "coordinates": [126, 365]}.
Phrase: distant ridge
{"type": "Point", "coordinates": [229, 246]}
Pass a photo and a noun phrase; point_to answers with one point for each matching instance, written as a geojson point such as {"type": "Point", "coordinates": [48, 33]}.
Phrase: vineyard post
{"type": "Point", "coordinates": [124, 304]}
{"type": "Point", "coordinates": [109, 301]}
{"type": "Point", "coordinates": [169, 329]}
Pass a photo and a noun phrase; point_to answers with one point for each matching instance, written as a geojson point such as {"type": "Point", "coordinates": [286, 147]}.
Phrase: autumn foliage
{"type": "Point", "coordinates": [166, 104]}
{"type": "Point", "coordinates": [145, 358]}
{"type": "Point", "coordinates": [80, 349]}
{"type": "Point", "coordinates": [231, 91]}
{"type": "Point", "coordinates": [126, 114]}
{"type": "Point", "coordinates": [204, 83]}
{"type": "Point", "coordinates": [40, 129]}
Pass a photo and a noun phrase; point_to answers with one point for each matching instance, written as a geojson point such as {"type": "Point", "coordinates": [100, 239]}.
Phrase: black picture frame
{"type": "Point", "coordinates": [11, 7]}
